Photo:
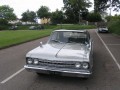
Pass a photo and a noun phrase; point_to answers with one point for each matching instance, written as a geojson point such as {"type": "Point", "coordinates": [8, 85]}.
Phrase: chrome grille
{"type": "Point", "coordinates": [60, 64]}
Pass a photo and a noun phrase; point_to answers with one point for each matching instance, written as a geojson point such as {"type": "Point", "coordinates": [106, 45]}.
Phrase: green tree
{"type": "Point", "coordinates": [108, 18]}
{"type": "Point", "coordinates": [94, 17]}
{"type": "Point", "coordinates": [75, 8]}
{"type": "Point", "coordinates": [71, 16]}
{"type": "Point", "coordinates": [84, 14]}
{"type": "Point", "coordinates": [112, 18]}
{"type": "Point", "coordinates": [32, 16]}
{"type": "Point", "coordinates": [6, 12]}
{"type": "Point", "coordinates": [28, 16]}
{"type": "Point", "coordinates": [25, 17]}
{"type": "Point", "coordinates": [57, 17]}
{"type": "Point", "coordinates": [43, 12]}
{"type": "Point", "coordinates": [102, 5]}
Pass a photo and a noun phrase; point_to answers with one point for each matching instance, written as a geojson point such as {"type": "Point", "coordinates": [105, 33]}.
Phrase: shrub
{"type": "Point", "coordinates": [114, 25]}
{"type": "Point", "coordinates": [3, 24]}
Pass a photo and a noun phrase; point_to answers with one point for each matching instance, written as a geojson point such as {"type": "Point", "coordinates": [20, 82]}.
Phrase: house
{"type": "Point", "coordinates": [45, 21]}
{"type": "Point", "coordinates": [15, 21]}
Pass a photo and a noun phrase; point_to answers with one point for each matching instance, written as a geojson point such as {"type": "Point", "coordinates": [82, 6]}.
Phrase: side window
{"type": "Point", "coordinates": [54, 36]}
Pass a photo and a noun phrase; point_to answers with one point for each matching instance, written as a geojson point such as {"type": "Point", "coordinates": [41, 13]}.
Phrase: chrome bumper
{"type": "Point", "coordinates": [59, 71]}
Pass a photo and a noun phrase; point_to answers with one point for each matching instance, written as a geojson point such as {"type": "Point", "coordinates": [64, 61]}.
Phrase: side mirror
{"type": "Point", "coordinates": [41, 44]}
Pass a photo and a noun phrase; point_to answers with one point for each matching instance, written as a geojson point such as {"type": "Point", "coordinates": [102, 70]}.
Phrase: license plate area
{"type": "Point", "coordinates": [54, 73]}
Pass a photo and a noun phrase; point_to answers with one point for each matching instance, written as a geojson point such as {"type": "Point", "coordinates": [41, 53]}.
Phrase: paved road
{"type": "Point", "coordinates": [106, 70]}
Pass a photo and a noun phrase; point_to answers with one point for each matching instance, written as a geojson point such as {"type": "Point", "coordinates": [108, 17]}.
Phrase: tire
{"type": "Point", "coordinates": [41, 74]}
{"type": "Point", "coordinates": [85, 78]}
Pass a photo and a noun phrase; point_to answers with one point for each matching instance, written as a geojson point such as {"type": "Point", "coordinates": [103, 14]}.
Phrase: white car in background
{"type": "Point", "coordinates": [103, 29]}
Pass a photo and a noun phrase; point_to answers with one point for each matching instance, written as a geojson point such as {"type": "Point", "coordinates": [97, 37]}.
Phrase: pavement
{"type": "Point", "coordinates": [106, 70]}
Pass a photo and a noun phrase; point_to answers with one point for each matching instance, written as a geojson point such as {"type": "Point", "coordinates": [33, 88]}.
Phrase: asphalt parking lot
{"type": "Point", "coordinates": [106, 70]}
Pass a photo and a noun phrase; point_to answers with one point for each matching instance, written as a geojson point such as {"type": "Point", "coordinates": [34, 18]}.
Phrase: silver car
{"type": "Point", "coordinates": [67, 53]}
{"type": "Point", "coordinates": [103, 29]}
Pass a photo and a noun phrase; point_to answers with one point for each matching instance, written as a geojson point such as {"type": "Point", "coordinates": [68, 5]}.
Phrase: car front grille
{"type": "Point", "coordinates": [60, 64]}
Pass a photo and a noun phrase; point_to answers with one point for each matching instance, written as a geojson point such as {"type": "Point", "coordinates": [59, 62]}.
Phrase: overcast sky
{"type": "Point", "coordinates": [21, 6]}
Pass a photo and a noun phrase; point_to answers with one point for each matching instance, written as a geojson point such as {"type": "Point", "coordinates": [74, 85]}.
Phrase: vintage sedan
{"type": "Point", "coordinates": [67, 53]}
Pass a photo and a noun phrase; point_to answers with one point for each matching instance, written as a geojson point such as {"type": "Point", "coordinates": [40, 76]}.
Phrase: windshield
{"type": "Point", "coordinates": [69, 37]}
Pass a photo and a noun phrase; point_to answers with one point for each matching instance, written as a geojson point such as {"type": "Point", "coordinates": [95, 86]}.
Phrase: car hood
{"type": "Point", "coordinates": [60, 51]}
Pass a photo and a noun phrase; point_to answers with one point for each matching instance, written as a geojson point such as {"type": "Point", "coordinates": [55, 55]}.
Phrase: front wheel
{"type": "Point", "coordinates": [41, 74]}
{"type": "Point", "coordinates": [38, 73]}
{"type": "Point", "coordinates": [85, 78]}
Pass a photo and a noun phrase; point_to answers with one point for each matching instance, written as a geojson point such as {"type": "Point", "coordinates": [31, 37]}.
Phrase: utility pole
{"type": "Point", "coordinates": [110, 7]}
{"type": "Point", "coordinates": [79, 16]}
{"type": "Point", "coordinates": [110, 10]}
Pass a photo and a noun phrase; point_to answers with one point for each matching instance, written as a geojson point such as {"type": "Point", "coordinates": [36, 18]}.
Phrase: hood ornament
{"type": "Point", "coordinates": [41, 44]}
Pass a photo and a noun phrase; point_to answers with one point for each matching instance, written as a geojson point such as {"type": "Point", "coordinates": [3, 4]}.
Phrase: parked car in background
{"type": "Point", "coordinates": [40, 27]}
{"type": "Point", "coordinates": [103, 29]}
{"type": "Point", "coordinates": [32, 28]}
{"type": "Point", "coordinates": [67, 53]}
{"type": "Point", "coordinates": [13, 28]}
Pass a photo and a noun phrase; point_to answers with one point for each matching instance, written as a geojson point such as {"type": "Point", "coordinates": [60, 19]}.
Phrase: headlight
{"type": "Point", "coordinates": [36, 61]}
{"type": "Point", "coordinates": [77, 65]}
{"type": "Point", "coordinates": [29, 61]}
{"type": "Point", "coordinates": [85, 65]}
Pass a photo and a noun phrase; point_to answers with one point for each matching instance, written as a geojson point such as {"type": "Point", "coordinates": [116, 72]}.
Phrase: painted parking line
{"type": "Point", "coordinates": [13, 75]}
{"type": "Point", "coordinates": [116, 62]}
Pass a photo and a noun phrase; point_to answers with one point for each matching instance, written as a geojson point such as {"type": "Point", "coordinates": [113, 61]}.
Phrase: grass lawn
{"type": "Point", "coordinates": [9, 38]}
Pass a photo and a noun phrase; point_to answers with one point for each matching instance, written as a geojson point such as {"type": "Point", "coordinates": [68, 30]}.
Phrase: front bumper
{"type": "Point", "coordinates": [102, 30]}
{"type": "Point", "coordinates": [59, 71]}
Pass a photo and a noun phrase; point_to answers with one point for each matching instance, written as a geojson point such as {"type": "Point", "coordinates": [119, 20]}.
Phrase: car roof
{"type": "Point", "coordinates": [64, 30]}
